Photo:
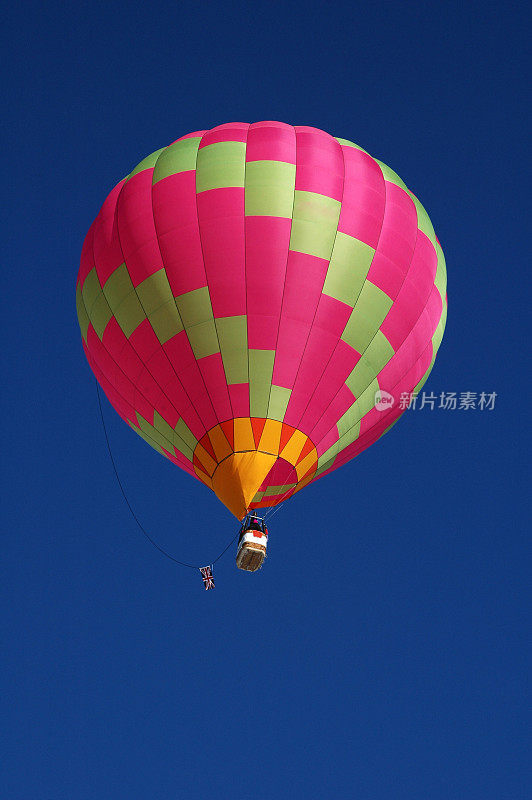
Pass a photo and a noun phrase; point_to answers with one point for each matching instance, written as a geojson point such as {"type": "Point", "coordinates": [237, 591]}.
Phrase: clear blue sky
{"type": "Point", "coordinates": [391, 667]}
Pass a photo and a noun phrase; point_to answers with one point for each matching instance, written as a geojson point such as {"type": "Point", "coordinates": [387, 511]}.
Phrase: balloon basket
{"type": "Point", "coordinates": [251, 551]}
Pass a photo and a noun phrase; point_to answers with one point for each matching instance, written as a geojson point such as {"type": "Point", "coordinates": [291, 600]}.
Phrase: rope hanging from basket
{"type": "Point", "coordinates": [206, 572]}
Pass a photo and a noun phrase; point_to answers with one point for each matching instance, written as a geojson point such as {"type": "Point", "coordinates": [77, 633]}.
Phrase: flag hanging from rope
{"type": "Point", "coordinates": [208, 579]}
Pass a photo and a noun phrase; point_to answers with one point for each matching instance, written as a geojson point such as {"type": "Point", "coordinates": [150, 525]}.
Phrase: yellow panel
{"type": "Point", "coordinates": [243, 435]}
{"type": "Point", "coordinates": [294, 446]}
{"type": "Point", "coordinates": [205, 458]}
{"type": "Point", "coordinates": [238, 478]}
{"type": "Point", "coordinates": [220, 445]}
{"type": "Point", "coordinates": [205, 478]}
{"type": "Point", "coordinates": [271, 436]}
{"type": "Point", "coordinates": [303, 467]}
{"type": "Point", "coordinates": [304, 482]}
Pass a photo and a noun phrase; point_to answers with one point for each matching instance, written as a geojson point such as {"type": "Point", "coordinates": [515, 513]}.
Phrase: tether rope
{"type": "Point", "coordinates": [146, 534]}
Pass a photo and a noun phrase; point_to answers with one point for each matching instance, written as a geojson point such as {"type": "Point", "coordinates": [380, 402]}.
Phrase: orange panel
{"type": "Point", "coordinates": [243, 435]}
{"type": "Point", "coordinates": [271, 435]}
{"type": "Point", "coordinates": [286, 433]}
{"type": "Point", "coordinates": [221, 446]}
{"type": "Point", "coordinates": [208, 463]}
{"type": "Point", "coordinates": [306, 464]}
{"type": "Point", "coordinates": [294, 447]}
{"type": "Point", "coordinates": [205, 478]}
{"type": "Point", "coordinates": [304, 482]}
{"type": "Point", "coordinates": [237, 479]}
{"type": "Point", "coordinates": [307, 447]}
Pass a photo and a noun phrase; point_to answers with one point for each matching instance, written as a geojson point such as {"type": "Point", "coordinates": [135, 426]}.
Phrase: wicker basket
{"type": "Point", "coordinates": [250, 556]}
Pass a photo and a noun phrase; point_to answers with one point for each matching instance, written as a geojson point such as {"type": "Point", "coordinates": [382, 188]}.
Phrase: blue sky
{"type": "Point", "coordinates": [392, 666]}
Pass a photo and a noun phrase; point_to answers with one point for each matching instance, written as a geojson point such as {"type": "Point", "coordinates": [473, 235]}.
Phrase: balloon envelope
{"type": "Point", "coordinates": [258, 302]}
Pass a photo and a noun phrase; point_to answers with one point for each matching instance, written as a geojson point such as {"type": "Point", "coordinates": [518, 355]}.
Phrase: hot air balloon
{"type": "Point", "coordinates": [256, 301]}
